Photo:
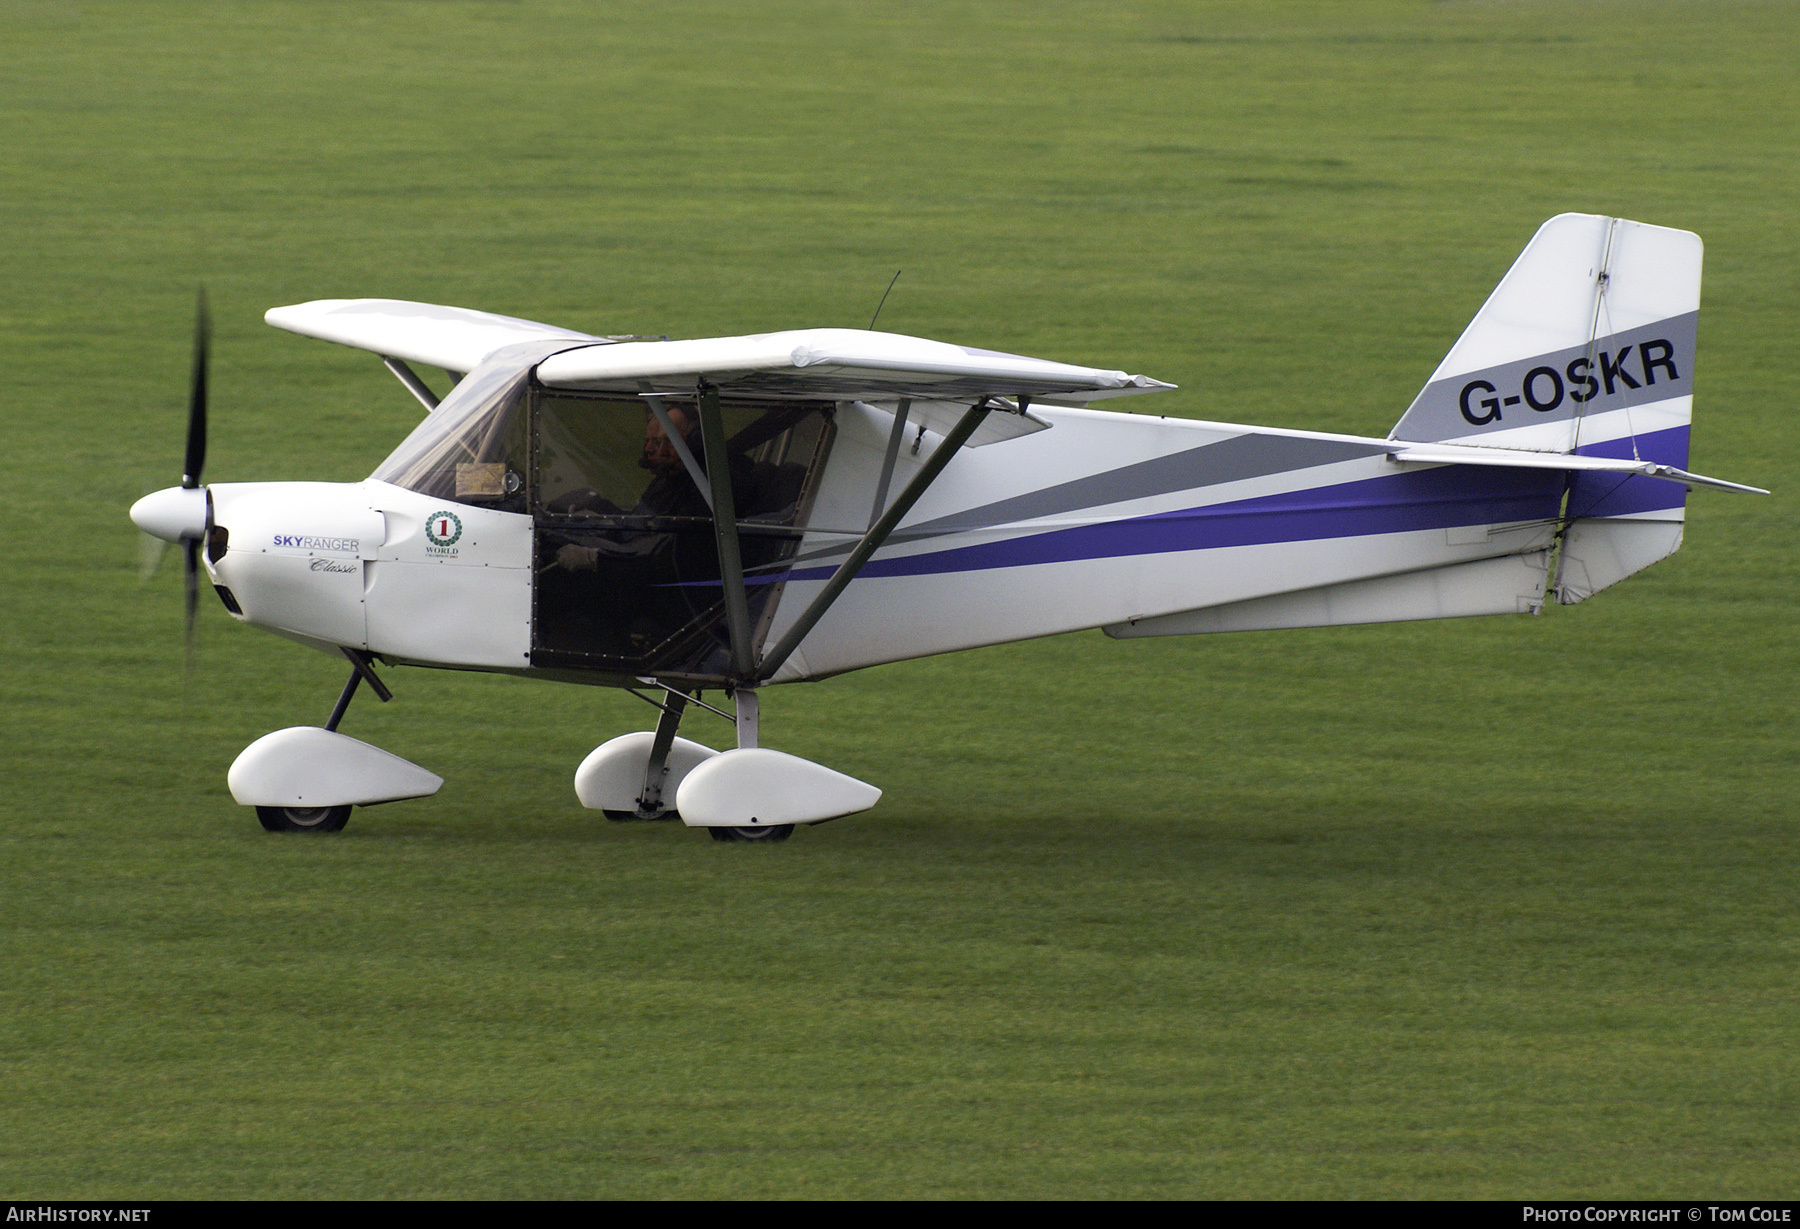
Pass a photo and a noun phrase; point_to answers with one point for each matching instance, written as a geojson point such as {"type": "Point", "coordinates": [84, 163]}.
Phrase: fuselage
{"type": "Point", "coordinates": [1098, 519]}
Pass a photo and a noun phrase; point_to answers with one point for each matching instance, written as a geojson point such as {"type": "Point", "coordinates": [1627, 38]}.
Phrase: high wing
{"type": "Point", "coordinates": [937, 379]}
{"type": "Point", "coordinates": [835, 364]}
{"type": "Point", "coordinates": [813, 364]}
{"type": "Point", "coordinates": [454, 338]}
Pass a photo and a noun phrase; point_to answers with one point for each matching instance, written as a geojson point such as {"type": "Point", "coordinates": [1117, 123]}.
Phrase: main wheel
{"type": "Point", "coordinates": [774, 832]}
{"type": "Point", "coordinates": [626, 817]}
{"type": "Point", "coordinates": [303, 819]}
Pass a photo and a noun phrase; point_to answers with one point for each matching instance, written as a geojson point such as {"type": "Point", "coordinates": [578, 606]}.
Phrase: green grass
{"type": "Point", "coordinates": [1491, 908]}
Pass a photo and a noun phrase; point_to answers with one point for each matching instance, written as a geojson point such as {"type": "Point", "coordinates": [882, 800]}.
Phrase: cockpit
{"type": "Point", "coordinates": [617, 485]}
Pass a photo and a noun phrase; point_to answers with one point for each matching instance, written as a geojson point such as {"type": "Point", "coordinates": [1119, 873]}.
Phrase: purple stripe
{"type": "Point", "coordinates": [1616, 495]}
{"type": "Point", "coordinates": [1395, 503]}
{"type": "Point", "coordinates": [1664, 447]}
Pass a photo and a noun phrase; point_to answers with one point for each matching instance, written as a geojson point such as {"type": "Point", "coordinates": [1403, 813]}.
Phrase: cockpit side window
{"type": "Point", "coordinates": [597, 457]}
{"type": "Point", "coordinates": [627, 557]}
{"type": "Point", "coordinates": [610, 457]}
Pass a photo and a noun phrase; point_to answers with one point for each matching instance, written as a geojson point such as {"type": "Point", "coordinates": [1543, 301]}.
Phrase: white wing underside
{"type": "Point", "coordinates": [812, 364]}
{"type": "Point", "coordinates": [453, 338]}
{"type": "Point", "coordinates": [840, 364]}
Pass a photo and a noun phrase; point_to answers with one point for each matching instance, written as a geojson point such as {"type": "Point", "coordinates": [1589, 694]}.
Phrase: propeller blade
{"type": "Point", "coordinates": [150, 556]}
{"type": "Point", "coordinates": [191, 581]}
{"type": "Point", "coordinates": [196, 435]}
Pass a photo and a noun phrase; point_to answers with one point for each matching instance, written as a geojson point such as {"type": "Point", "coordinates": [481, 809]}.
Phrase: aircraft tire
{"type": "Point", "coordinates": [774, 832]}
{"type": "Point", "coordinates": [303, 819]}
{"type": "Point", "coordinates": [626, 817]}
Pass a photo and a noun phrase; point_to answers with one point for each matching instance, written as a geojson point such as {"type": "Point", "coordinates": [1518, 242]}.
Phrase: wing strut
{"type": "Point", "coordinates": [681, 447]}
{"type": "Point", "coordinates": [414, 385]}
{"type": "Point", "coordinates": [887, 461]}
{"type": "Point", "coordinates": [872, 540]}
{"type": "Point", "coordinates": [731, 565]}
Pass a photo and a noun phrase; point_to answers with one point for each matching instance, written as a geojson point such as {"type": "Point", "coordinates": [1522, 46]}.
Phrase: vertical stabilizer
{"type": "Point", "coordinates": [1588, 338]}
{"type": "Point", "coordinates": [1586, 346]}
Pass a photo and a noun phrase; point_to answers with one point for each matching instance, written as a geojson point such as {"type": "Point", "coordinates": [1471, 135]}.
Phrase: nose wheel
{"type": "Point", "coordinates": [308, 762]}
{"type": "Point", "coordinates": [303, 819]}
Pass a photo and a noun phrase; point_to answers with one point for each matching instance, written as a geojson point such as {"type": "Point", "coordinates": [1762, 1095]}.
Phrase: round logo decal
{"type": "Point", "coordinates": [443, 528]}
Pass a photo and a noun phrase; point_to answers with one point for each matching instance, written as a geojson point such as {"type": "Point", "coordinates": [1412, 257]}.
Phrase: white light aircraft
{"type": "Point", "coordinates": [728, 514]}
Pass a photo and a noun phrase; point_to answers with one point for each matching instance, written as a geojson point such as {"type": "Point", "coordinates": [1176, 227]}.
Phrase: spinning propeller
{"type": "Point", "coordinates": [184, 514]}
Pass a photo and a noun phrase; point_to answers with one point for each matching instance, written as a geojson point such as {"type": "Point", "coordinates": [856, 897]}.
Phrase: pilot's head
{"type": "Point", "coordinates": [660, 456]}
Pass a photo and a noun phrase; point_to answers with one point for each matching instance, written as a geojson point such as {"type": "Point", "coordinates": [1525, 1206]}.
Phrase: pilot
{"type": "Point", "coordinates": [671, 492]}
{"type": "Point", "coordinates": [623, 588]}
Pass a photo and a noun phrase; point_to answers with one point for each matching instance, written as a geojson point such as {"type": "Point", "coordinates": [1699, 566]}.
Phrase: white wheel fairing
{"type": "Point", "coordinates": [754, 786]}
{"type": "Point", "coordinates": [611, 778]}
{"type": "Point", "coordinates": [305, 766]}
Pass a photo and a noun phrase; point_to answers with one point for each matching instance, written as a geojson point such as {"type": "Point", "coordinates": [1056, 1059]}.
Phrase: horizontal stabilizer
{"type": "Point", "coordinates": [454, 338]}
{"type": "Point", "coordinates": [1514, 458]}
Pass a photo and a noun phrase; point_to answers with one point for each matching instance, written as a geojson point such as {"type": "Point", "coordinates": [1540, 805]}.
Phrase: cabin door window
{"type": "Point", "coordinates": [626, 557]}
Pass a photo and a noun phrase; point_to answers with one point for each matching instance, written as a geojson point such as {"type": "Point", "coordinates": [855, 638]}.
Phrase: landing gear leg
{"type": "Point", "coordinates": [656, 770]}
{"type": "Point", "coordinates": [327, 819]}
{"type": "Point", "coordinates": [749, 722]}
{"type": "Point", "coordinates": [749, 716]}
{"type": "Point", "coordinates": [360, 669]}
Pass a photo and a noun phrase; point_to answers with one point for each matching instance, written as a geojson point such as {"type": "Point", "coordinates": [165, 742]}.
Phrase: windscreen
{"type": "Point", "coordinates": [472, 449]}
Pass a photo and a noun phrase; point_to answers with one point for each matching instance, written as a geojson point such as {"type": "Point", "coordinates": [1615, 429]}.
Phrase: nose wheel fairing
{"type": "Point", "coordinates": [306, 779]}
{"type": "Point", "coordinates": [308, 767]}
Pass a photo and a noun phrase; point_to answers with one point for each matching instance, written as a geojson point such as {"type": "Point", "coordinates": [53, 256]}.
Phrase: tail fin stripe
{"type": "Point", "coordinates": [1640, 366]}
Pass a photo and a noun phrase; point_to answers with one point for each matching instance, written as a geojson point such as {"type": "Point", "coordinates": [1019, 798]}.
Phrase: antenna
{"type": "Point", "coordinates": [883, 303]}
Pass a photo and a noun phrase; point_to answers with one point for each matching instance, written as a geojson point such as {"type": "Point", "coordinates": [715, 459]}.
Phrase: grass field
{"type": "Point", "coordinates": [1491, 908]}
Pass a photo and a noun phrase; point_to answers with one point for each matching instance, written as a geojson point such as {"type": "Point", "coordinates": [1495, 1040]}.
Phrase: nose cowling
{"type": "Point", "coordinates": [174, 514]}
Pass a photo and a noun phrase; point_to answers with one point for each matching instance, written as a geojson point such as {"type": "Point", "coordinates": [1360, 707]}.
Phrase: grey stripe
{"type": "Point", "coordinates": [1250, 455]}
{"type": "Point", "coordinates": [1621, 373]}
{"type": "Point", "coordinates": [1232, 460]}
